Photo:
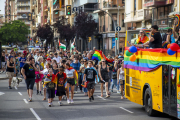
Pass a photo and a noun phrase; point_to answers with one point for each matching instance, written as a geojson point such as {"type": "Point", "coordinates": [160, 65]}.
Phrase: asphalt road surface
{"type": "Point", "coordinates": [14, 105]}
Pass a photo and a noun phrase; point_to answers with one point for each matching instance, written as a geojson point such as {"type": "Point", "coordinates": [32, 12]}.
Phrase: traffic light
{"type": "Point", "coordinates": [89, 39]}
{"type": "Point", "coordinates": [29, 16]}
{"type": "Point", "coordinates": [68, 9]}
{"type": "Point", "coordinates": [116, 36]}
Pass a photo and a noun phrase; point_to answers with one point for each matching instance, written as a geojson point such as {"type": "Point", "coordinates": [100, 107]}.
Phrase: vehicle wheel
{"type": "Point", "coordinates": [148, 102]}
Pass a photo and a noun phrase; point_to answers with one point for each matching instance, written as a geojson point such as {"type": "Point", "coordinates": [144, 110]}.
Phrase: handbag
{"type": "Point", "coordinates": [37, 76]}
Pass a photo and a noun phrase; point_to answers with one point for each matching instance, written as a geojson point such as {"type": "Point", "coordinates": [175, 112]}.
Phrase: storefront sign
{"type": "Point", "coordinates": [148, 4]}
{"type": "Point", "coordinates": [113, 35]}
{"type": "Point", "coordinates": [113, 42]}
{"type": "Point", "coordinates": [104, 35]}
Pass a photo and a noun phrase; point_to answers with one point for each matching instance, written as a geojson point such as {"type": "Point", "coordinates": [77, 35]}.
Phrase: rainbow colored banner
{"type": "Point", "coordinates": [150, 59]}
{"type": "Point", "coordinates": [97, 55]}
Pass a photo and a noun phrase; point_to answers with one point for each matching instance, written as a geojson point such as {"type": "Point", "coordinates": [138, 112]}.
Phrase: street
{"type": "Point", "coordinates": [14, 105]}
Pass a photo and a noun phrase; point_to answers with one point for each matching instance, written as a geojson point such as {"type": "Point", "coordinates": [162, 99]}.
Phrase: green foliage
{"type": "Point", "coordinates": [13, 32]}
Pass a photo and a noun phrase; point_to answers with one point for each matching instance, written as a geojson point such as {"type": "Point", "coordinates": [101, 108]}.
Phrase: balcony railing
{"type": "Point", "coordinates": [28, 4]}
{"type": "Point", "coordinates": [113, 4]}
{"type": "Point", "coordinates": [20, 17]}
{"type": "Point", "coordinates": [23, 10]}
{"type": "Point", "coordinates": [143, 14]}
{"type": "Point", "coordinates": [27, 22]}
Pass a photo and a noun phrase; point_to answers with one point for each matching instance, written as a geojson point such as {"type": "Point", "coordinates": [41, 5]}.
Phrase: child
{"type": "Point", "coordinates": [61, 80]}
{"type": "Point", "coordinates": [50, 81]}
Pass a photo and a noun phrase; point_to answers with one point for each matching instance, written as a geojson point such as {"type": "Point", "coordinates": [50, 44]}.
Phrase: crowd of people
{"type": "Point", "coordinates": [61, 72]}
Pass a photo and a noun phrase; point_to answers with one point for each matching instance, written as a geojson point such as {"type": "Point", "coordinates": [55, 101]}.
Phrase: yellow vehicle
{"type": "Point", "coordinates": [153, 80]}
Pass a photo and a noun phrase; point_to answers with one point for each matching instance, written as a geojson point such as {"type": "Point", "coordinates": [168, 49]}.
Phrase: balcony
{"type": "Point", "coordinates": [20, 17]}
{"type": "Point", "coordinates": [61, 13]}
{"type": "Point", "coordinates": [143, 14]}
{"type": "Point", "coordinates": [156, 3]}
{"type": "Point", "coordinates": [113, 4]}
{"type": "Point", "coordinates": [27, 22]}
{"type": "Point", "coordinates": [57, 8]}
{"type": "Point", "coordinates": [46, 8]}
{"type": "Point", "coordinates": [23, 11]}
{"type": "Point", "coordinates": [23, 5]}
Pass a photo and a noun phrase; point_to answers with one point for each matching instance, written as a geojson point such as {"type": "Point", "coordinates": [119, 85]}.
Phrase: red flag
{"type": "Point", "coordinates": [59, 42]}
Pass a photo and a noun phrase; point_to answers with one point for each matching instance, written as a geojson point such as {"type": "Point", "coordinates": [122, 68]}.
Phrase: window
{"type": "Point", "coordinates": [134, 7]}
{"type": "Point", "coordinates": [123, 25]}
{"type": "Point", "coordinates": [155, 14]}
{"type": "Point", "coordinates": [114, 16]}
{"type": "Point", "coordinates": [161, 13]}
{"type": "Point", "coordinates": [123, 2]}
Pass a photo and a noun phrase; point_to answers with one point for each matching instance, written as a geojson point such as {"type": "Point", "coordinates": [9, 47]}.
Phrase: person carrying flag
{"type": "Point", "coordinates": [90, 74]}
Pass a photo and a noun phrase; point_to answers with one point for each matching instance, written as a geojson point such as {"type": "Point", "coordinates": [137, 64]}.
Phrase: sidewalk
{"type": "Point", "coordinates": [3, 76]}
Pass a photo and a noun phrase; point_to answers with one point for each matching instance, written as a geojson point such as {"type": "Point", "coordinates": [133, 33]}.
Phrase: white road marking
{"type": "Point", "coordinates": [35, 114]}
{"type": "Point", "coordinates": [25, 101]}
{"type": "Point", "coordinates": [100, 97]}
{"type": "Point", "coordinates": [1, 93]}
{"type": "Point", "coordinates": [126, 110]}
{"type": "Point", "coordinates": [20, 93]}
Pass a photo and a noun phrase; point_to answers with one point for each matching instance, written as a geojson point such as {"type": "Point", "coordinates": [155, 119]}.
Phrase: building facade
{"type": "Point", "coordinates": [111, 15]}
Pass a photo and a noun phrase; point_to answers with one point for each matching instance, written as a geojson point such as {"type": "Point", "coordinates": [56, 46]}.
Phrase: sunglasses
{"type": "Point", "coordinates": [103, 61]}
{"type": "Point", "coordinates": [61, 70]}
{"type": "Point", "coordinates": [85, 61]}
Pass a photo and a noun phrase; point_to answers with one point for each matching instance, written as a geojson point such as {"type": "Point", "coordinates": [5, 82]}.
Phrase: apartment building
{"type": "Point", "coordinates": [145, 13]}
{"type": "Point", "coordinates": [7, 11]}
{"type": "Point", "coordinates": [22, 7]}
{"type": "Point", "coordinates": [109, 11]}
{"type": "Point", "coordinates": [87, 6]}
{"type": "Point", "coordinates": [2, 20]}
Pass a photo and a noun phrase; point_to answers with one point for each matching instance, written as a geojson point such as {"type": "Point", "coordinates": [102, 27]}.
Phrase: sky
{"type": "Point", "coordinates": [2, 5]}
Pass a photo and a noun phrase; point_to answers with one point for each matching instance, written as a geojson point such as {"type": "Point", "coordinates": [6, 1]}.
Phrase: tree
{"type": "Point", "coordinates": [13, 32]}
{"type": "Point", "coordinates": [46, 32]}
{"type": "Point", "coordinates": [85, 26]}
{"type": "Point", "coordinates": [65, 30]}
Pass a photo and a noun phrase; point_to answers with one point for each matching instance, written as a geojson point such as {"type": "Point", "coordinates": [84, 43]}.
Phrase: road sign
{"type": "Point", "coordinates": [118, 28]}
{"type": "Point", "coordinates": [74, 9]}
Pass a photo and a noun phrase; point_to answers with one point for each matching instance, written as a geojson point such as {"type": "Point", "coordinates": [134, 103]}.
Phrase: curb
{"type": "Point", "coordinates": [3, 78]}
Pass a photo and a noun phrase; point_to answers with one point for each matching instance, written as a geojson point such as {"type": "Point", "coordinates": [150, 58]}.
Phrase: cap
{"type": "Point", "coordinates": [49, 59]}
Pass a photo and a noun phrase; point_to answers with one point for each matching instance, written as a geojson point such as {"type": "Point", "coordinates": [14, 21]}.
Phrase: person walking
{"type": "Point", "coordinates": [22, 61]}
{"type": "Point", "coordinates": [104, 77]}
{"type": "Point", "coordinates": [10, 70]}
{"type": "Point", "coordinates": [90, 74]}
{"type": "Point", "coordinates": [70, 72]}
{"type": "Point", "coordinates": [82, 69]}
{"type": "Point", "coordinates": [121, 78]}
{"type": "Point", "coordinates": [61, 80]}
{"type": "Point", "coordinates": [28, 72]}
{"type": "Point", "coordinates": [39, 76]}
{"type": "Point", "coordinates": [114, 76]}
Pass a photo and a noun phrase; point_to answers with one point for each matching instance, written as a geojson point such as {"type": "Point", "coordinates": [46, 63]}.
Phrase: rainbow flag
{"type": "Point", "coordinates": [164, 45]}
{"type": "Point", "coordinates": [48, 79]}
{"type": "Point", "coordinates": [97, 55]}
{"type": "Point", "coordinates": [178, 17]}
{"type": "Point", "coordinates": [150, 59]}
{"type": "Point", "coordinates": [76, 73]}
{"type": "Point", "coordinates": [148, 32]}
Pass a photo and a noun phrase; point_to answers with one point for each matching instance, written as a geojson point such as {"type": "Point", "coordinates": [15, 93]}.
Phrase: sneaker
{"type": "Point", "coordinates": [30, 100]}
{"type": "Point", "coordinates": [118, 92]}
{"type": "Point", "coordinates": [92, 97]}
{"type": "Point", "coordinates": [112, 91]}
{"type": "Point", "coordinates": [40, 93]}
{"type": "Point", "coordinates": [68, 101]}
{"type": "Point", "coordinates": [15, 87]}
{"type": "Point", "coordinates": [37, 92]}
{"type": "Point", "coordinates": [49, 104]}
{"type": "Point", "coordinates": [9, 87]}
{"type": "Point", "coordinates": [89, 99]}
{"type": "Point", "coordinates": [72, 102]}
{"type": "Point", "coordinates": [60, 103]}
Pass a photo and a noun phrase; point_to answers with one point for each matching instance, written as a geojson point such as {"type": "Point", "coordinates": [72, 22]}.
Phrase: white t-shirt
{"type": "Point", "coordinates": [57, 59]}
{"type": "Point", "coordinates": [121, 75]}
{"type": "Point", "coordinates": [69, 73]}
